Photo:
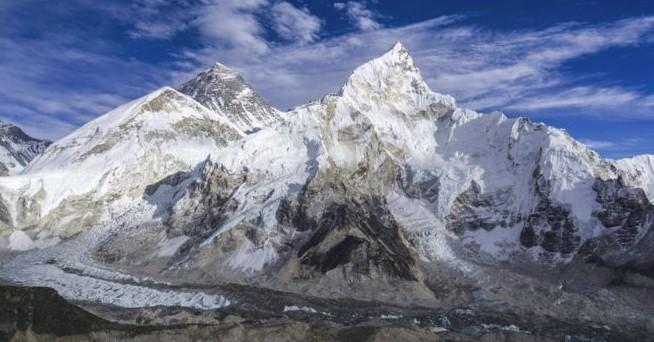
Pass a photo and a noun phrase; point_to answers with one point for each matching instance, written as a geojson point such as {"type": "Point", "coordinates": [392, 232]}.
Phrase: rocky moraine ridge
{"type": "Point", "coordinates": [382, 211]}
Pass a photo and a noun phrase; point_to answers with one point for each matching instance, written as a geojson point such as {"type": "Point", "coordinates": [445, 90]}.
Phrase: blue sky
{"type": "Point", "coordinates": [586, 66]}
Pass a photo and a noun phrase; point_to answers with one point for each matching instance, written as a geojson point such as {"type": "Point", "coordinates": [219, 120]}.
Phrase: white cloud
{"type": "Point", "coordinates": [617, 148]}
{"type": "Point", "coordinates": [649, 101]}
{"type": "Point", "coordinates": [364, 18]}
{"type": "Point", "coordinates": [32, 94]}
{"type": "Point", "coordinates": [584, 97]}
{"type": "Point", "coordinates": [153, 30]}
{"type": "Point", "coordinates": [155, 19]}
{"type": "Point", "coordinates": [599, 144]}
{"type": "Point", "coordinates": [294, 24]}
{"type": "Point", "coordinates": [232, 24]}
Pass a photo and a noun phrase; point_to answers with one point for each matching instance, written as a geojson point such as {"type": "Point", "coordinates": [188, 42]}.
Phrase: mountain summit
{"type": "Point", "coordinates": [390, 80]}
{"type": "Point", "coordinates": [224, 91]}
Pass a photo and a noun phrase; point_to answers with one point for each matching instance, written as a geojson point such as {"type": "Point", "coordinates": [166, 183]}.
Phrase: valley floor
{"type": "Point", "coordinates": [62, 294]}
{"type": "Point", "coordinates": [40, 314]}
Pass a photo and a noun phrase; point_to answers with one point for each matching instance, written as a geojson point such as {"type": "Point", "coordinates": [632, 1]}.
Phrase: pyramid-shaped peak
{"type": "Point", "coordinates": [10, 131]}
{"type": "Point", "coordinates": [394, 71]}
{"type": "Point", "coordinates": [223, 90]}
{"type": "Point", "coordinates": [398, 47]}
{"type": "Point", "coordinates": [397, 59]}
{"type": "Point", "coordinates": [222, 71]}
{"type": "Point", "coordinates": [398, 54]}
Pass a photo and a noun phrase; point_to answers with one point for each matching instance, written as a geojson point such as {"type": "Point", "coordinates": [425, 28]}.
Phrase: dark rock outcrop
{"type": "Point", "coordinates": [361, 236]}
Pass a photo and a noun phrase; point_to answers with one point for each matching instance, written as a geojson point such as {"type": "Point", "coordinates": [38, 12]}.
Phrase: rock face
{"type": "Point", "coordinates": [17, 149]}
{"type": "Point", "coordinates": [369, 193]}
{"type": "Point", "coordinates": [225, 91]}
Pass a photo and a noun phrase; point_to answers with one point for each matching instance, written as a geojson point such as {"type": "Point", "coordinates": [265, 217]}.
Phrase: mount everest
{"type": "Point", "coordinates": [384, 191]}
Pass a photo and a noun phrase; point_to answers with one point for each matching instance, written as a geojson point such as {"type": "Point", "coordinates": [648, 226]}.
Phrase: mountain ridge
{"type": "Point", "coordinates": [378, 192]}
{"type": "Point", "coordinates": [17, 149]}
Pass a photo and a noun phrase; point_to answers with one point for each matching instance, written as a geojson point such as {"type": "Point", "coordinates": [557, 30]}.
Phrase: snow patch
{"type": "Point", "coordinates": [20, 241]}
{"type": "Point", "coordinates": [307, 309]}
{"type": "Point", "coordinates": [251, 258]}
{"type": "Point", "coordinates": [169, 248]}
{"type": "Point", "coordinates": [391, 317]}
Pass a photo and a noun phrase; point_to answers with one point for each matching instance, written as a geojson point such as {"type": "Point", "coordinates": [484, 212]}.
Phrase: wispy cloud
{"type": "Point", "coordinates": [295, 24]}
{"type": "Point", "coordinates": [51, 84]}
{"type": "Point", "coordinates": [617, 148]}
{"type": "Point", "coordinates": [582, 97]}
{"type": "Point", "coordinates": [232, 24]}
{"type": "Point", "coordinates": [599, 144]}
{"type": "Point", "coordinates": [357, 11]}
{"type": "Point", "coordinates": [154, 19]}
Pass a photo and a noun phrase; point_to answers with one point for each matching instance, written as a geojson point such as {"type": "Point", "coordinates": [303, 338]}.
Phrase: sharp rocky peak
{"type": "Point", "coordinates": [17, 148]}
{"type": "Point", "coordinates": [224, 91]}
{"type": "Point", "coordinates": [14, 132]}
{"type": "Point", "coordinates": [398, 54]}
{"type": "Point", "coordinates": [377, 72]}
{"type": "Point", "coordinates": [222, 71]}
{"type": "Point", "coordinates": [394, 80]}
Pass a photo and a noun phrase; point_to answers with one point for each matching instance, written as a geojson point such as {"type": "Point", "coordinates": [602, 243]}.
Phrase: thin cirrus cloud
{"type": "Point", "coordinates": [285, 52]}
{"type": "Point", "coordinates": [358, 13]}
{"type": "Point", "coordinates": [27, 94]}
{"type": "Point", "coordinates": [583, 97]}
{"type": "Point", "coordinates": [295, 24]}
{"type": "Point", "coordinates": [600, 144]}
{"type": "Point", "coordinates": [618, 148]}
{"type": "Point", "coordinates": [231, 24]}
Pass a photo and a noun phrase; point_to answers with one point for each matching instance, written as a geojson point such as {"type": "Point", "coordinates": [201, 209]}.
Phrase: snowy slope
{"type": "Point", "coordinates": [223, 90]}
{"type": "Point", "coordinates": [104, 166]}
{"type": "Point", "coordinates": [450, 177]}
{"type": "Point", "coordinates": [17, 149]}
{"type": "Point", "coordinates": [639, 172]}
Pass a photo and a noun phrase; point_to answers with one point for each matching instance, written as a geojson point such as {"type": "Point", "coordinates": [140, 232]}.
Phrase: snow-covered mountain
{"type": "Point", "coordinates": [102, 168]}
{"type": "Point", "coordinates": [223, 90]}
{"type": "Point", "coordinates": [369, 187]}
{"type": "Point", "coordinates": [17, 149]}
{"type": "Point", "coordinates": [638, 172]}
